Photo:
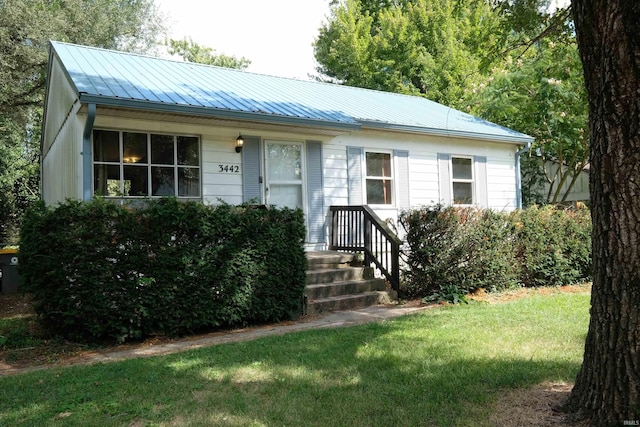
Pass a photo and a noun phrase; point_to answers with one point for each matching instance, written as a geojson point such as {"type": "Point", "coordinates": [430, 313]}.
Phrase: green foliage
{"type": "Point", "coordinates": [191, 51]}
{"type": "Point", "coordinates": [433, 48]}
{"type": "Point", "coordinates": [98, 270]}
{"type": "Point", "coordinates": [453, 251]}
{"type": "Point", "coordinates": [553, 245]}
{"type": "Point", "coordinates": [542, 94]}
{"type": "Point", "coordinates": [17, 333]}
{"type": "Point", "coordinates": [26, 27]}
{"type": "Point", "coordinates": [464, 248]}
{"type": "Point", "coordinates": [448, 293]}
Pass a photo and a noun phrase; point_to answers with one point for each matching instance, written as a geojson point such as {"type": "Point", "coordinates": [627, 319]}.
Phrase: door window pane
{"type": "Point", "coordinates": [134, 147]}
{"type": "Point", "coordinates": [285, 162]}
{"type": "Point", "coordinates": [106, 146]}
{"type": "Point", "coordinates": [286, 195]}
{"type": "Point", "coordinates": [188, 151]}
{"type": "Point", "coordinates": [162, 149]}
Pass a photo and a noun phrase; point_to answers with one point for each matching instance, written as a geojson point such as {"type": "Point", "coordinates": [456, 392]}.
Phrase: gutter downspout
{"type": "Point", "coordinates": [86, 152]}
{"type": "Point", "coordinates": [520, 152]}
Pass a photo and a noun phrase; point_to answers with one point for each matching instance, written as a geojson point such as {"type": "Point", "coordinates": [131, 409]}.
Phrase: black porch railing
{"type": "Point", "coordinates": [359, 229]}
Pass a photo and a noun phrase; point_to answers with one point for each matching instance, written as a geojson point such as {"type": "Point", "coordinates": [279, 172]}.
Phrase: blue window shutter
{"type": "Point", "coordinates": [403, 200]}
{"type": "Point", "coordinates": [444, 176]}
{"type": "Point", "coordinates": [355, 160]}
{"type": "Point", "coordinates": [251, 170]}
{"type": "Point", "coordinates": [482, 191]}
{"type": "Point", "coordinates": [315, 192]}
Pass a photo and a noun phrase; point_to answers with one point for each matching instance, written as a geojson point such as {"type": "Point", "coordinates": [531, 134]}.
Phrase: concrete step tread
{"type": "Point", "coordinates": [347, 297]}
{"type": "Point", "coordinates": [329, 259]}
{"type": "Point", "coordinates": [347, 302]}
{"type": "Point", "coordinates": [345, 282]}
{"type": "Point", "coordinates": [334, 269]}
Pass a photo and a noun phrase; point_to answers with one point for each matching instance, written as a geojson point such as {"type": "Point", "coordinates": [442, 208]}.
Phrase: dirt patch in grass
{"type": "Point", "coordinates": [15, 305]}
{"type": "Point", "coordinates": [537, 406]}
{"type": "Point", "coordinates": [510, 295]}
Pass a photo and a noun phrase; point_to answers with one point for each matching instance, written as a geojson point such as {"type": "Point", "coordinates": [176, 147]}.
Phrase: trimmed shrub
{"type": "Point", "coordinates": [98, 270]}
{"type": "Point", "coordinates": [461, 248]}
{"type": "Point", "coordinates": [553, 246]}
{"type": "Point", "coordinates": [453, 251]}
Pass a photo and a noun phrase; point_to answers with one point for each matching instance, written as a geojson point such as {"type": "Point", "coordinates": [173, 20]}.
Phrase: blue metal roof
{"type": "Point", "coordinates": [113, 78]}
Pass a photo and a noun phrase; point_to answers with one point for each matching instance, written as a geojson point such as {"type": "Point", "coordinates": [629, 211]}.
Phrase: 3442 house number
{"type": "Point", "coordinates": [228, 168]}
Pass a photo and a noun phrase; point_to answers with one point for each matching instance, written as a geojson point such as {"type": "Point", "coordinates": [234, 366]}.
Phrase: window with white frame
{"type": "Point", "coordinates": [462, 180]}
{"type": "Point", "coordinates": [136, 164]}
{"type": "Point", "coordinates": [379, 178]}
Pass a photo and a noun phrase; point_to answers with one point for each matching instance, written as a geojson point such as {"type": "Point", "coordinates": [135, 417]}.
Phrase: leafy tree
{"type": "Point", "coordinates": [26, 27]}
{"type": "Point", "coordinates": [542, 94]}
{"type": "Point", "coordinates": [607, 386]}
{"type": "Point", "coordinates": [433, 48]}
{"type": "Point", "coordinates": [191, 51]}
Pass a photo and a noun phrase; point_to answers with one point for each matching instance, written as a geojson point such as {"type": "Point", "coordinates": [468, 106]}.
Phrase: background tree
{"type": "Point", "coordinates": [26, 27]}
{"type": "Point", "coordinates": [542, 93]}
{"type": "Point", "coordinates": [608, 385]}
{"type": "Point", "coordinates": [191, 51]}
{"type": "Point", "coordinates": [434, 48]}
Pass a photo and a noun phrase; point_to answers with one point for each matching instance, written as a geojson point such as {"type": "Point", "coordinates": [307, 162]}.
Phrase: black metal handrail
{"type": "Point", "coordinates": [359, 229]}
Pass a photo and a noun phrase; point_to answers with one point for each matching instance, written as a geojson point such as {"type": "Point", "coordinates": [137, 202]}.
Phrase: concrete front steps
{"type": "Point", "coordinates": [334, 285]}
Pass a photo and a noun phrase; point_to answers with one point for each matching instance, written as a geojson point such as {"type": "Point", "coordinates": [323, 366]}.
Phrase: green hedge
{"type": "Point", "coordinates": [453, 251]}
{"type": "Point", "coordinates": [98, 270]}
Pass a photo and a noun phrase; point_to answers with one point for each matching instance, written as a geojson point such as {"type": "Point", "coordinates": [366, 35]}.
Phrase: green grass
{"type": "Point", "coordinates": [441, 367]}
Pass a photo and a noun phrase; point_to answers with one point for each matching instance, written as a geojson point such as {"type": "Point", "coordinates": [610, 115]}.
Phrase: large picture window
{"type": "Point", "coordinates": [379, 178]}
{"type": "Point", "coordinates": [462, 180]}
{"type": "Point", "coordinates": [135, 164]}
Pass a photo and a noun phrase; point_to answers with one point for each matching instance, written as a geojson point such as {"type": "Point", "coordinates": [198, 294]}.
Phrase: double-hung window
{"type": "Point", "coordinates": [135, 164]}
{"type": "Point", "coordinates": [379, 178]}
{"type": "Point", "coordinates": [462, 180]}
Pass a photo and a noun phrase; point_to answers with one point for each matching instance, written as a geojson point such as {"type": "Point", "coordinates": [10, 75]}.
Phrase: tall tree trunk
{"type": "Point", "coordinates": [607, 387]}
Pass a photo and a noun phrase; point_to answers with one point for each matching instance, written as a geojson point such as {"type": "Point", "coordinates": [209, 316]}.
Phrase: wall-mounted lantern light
{"type": "Point", "coordinates": [239, 143]}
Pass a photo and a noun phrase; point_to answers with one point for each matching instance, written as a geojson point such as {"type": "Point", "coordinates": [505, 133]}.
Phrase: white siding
{"type": "Point", "coordinates": [62, 164]}
{"type": "Point", "coordinates": [501, 182]}
{"type": "Point", "coordinates": [61, 105]}
{"type": "Point", "coordinates": [62, 141]}
{"type": "Point", "coordinates": [216, 185]}
{"type": "Point", "coordinates": [424, 179]}
{"type": "Point", "coordinates": [336, 192]}
{"type": "Point", "coordinates": [423, 167]}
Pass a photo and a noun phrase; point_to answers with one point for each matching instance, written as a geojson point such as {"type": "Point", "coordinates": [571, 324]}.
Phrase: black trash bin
{"type": "Point", "coordinates": [9, 277]}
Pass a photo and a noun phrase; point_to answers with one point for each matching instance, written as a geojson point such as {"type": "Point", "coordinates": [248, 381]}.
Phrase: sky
{"type": "Point", "coordinates": [276, 35]}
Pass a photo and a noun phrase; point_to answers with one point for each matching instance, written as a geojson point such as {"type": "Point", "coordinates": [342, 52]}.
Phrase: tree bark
{"type": "Point", "coordinates": [607, 388]}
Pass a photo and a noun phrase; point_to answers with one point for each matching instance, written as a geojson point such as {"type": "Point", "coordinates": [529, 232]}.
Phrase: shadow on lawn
{"type": "Point", "coordinates": [368, 375]}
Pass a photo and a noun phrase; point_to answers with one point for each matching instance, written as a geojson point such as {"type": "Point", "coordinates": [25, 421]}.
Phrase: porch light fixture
{"type": "Point", "coordinates": [239, 143]}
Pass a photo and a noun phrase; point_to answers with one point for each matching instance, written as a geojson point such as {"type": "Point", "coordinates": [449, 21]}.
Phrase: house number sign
{"type": "Point", "coordinates": [227, 168]}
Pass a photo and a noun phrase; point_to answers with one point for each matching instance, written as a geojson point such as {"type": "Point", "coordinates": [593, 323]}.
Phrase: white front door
{"type": "Point", "coordinates": [284, 186]}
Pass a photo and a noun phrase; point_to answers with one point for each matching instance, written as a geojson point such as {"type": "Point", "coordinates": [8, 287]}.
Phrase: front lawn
{"type": "Point", "coordinates": [445, 366]}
